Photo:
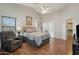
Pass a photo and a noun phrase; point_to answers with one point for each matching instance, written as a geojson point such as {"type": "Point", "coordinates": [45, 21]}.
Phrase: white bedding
{"type": "Point", "coordinates": [37, 36]}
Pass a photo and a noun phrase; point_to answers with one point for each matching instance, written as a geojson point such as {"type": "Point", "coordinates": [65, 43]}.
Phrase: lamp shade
{"type": "Point", "coordinates": [19, 29]}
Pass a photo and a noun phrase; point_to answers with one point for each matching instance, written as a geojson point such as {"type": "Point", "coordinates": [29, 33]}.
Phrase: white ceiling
{"type": "Point", "coordinates": [53, 6]}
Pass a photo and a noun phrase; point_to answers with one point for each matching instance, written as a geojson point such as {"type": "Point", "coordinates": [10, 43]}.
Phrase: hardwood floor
{"type": "Point", "coordinates": [54, 47]}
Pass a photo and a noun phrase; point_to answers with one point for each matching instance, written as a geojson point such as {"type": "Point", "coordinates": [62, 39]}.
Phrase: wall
{"type": "Point", "coordinates": [72, 10]}
{"type": "Point", "coordinates": [20, 13]}
{"type": "Point", "coordinates": [55, 17]}
{"type": "Point", "coordinates": [60, 17]}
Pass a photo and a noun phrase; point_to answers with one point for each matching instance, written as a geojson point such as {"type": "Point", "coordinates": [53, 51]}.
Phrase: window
{"type": "Point", "coordinates": [8, 24]}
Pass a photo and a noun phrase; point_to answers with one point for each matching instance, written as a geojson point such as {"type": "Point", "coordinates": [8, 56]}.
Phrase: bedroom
{"type": "Point", "coordinates": [51, 26]}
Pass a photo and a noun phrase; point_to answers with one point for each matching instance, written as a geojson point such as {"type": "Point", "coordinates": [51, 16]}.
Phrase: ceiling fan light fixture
{"type": "Point", "coordinates": [44, 10]}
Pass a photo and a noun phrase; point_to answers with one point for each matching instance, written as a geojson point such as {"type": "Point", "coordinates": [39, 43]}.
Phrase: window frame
{"type": "Point", "coordinates": [8, 26]}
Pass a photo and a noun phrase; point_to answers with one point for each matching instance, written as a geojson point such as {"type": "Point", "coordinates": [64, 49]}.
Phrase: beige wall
{"type": "Point", "coordinates": [72, 10]}
{"type": "Point", "coordinates": [59, 17]}
{"type": "Point", "coordinates": [20, 12]}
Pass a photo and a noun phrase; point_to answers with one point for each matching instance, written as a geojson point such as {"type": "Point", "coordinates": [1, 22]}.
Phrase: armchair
{"type": "Point", "coordinates": [9, 41]}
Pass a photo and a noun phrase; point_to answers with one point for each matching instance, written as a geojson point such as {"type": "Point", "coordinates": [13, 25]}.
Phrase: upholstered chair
{"type": "Point", "coordinates": [9, 41]}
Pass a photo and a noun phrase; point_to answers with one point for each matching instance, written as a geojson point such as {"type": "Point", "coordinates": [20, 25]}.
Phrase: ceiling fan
{"type": "Point", "coordinates": [44, 10]}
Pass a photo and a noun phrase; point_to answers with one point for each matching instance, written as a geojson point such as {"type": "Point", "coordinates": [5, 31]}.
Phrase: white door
{"type": "Point", "coordinates": [51, 29]}
{"type": "Point", "coordinates": [49, 26]}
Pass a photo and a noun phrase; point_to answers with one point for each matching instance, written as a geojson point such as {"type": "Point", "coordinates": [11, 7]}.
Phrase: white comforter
{"type": "Point", "coordinates": [37, 36]}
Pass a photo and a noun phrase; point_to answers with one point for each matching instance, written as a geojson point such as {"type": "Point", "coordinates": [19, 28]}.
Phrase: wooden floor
{"type": "Point", "coordinates": [54, 47]}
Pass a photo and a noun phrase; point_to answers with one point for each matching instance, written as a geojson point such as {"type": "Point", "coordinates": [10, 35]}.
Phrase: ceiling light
{"type": "Point", "coordinates": [44, 10]}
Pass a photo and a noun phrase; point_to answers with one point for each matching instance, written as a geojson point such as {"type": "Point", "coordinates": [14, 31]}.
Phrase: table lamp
{"type": "Point", "coordinates": [18, 30]}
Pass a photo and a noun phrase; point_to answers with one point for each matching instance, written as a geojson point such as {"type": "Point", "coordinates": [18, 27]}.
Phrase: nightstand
{"type": "Point", "coordinates": [18, 38]}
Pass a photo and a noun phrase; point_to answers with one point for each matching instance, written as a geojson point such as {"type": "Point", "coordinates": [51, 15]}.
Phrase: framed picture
{"type": "Point", "coordinates": [28, 21]}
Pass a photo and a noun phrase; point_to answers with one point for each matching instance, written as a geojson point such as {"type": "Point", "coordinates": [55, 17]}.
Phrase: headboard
{"type": "Point", "coordinates": [29, 29]}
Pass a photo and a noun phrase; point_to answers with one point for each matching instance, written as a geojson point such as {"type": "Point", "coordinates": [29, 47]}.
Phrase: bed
{"type": "Point", "coordinates": [35, 38]}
